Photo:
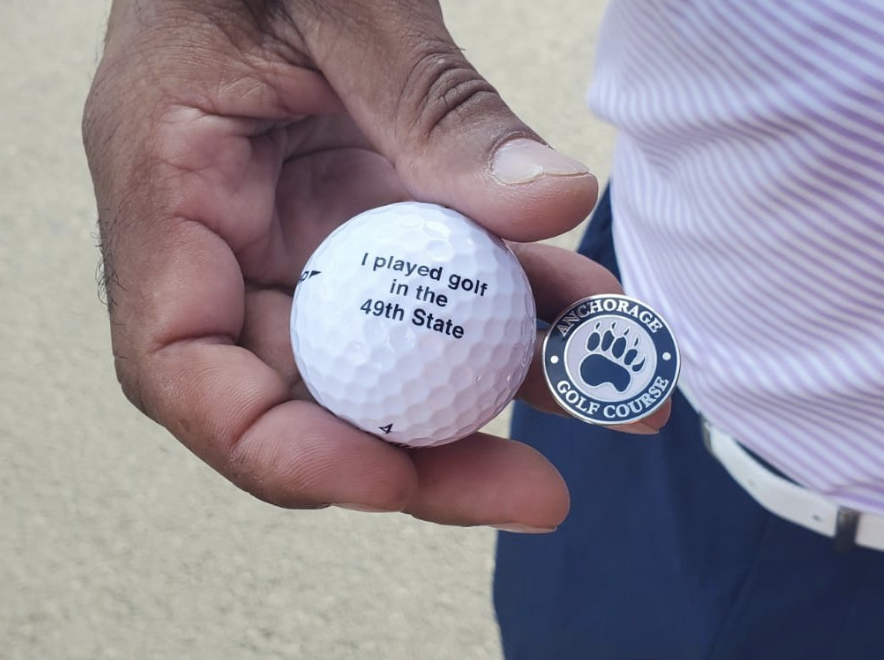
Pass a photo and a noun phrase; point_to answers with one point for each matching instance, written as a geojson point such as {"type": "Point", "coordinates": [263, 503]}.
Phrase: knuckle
{"type": "Point", "coordinates": [127, 377]}
{"type": "Point", "coordinates": [443, 90]}
{"type": "Point", "coordinates": [276, 482]}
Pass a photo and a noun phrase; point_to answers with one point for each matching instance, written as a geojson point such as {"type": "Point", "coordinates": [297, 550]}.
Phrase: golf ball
{"type": "Point", "coordinates": [413, 323]}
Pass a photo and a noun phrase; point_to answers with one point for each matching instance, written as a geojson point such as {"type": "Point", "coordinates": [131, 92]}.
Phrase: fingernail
{"type": "Point", "coordinates": [640, 428]}
{"type": "Point", "coordinates": [362, 508]}
{"type": "Point", "coordinates": [522, 160]}
{"type": "Point", "coordinates": [519, 528]}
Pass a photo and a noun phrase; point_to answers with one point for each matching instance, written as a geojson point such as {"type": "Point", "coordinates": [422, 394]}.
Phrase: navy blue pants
{"type": "Point", "coordinates": [665, 557]}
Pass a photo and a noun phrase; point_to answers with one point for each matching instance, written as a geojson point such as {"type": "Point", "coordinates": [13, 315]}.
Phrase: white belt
{"type": "Point", "coordinates": [790, 501]}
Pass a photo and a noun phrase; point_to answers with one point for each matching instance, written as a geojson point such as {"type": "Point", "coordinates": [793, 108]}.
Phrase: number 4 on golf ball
{"type": "Point", "coordinates": [413, 323]}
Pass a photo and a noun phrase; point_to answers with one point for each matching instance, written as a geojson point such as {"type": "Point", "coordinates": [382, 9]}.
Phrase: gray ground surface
{"type": "Point", "coordinates": [114, 541]}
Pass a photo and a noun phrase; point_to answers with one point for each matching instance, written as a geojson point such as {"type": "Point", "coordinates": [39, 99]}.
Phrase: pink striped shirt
{"type": "Point", "coordinates": [748, 192]}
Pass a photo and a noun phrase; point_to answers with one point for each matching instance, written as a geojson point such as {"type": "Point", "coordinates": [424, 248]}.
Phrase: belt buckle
{"type": "Point", "coordinates": [845, 529]}
{"type": "Point", "coordinates": [707, 435]}
{"type": "Point", "coordinates": [846, 522]}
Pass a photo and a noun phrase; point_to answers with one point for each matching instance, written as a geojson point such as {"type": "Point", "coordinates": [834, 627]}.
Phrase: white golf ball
{"type": "Point", "coordinates": [413, 323]}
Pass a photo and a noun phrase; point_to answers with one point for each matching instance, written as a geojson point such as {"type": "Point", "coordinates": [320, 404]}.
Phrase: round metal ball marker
{"type": "Point", "coordinates": [610, 360]}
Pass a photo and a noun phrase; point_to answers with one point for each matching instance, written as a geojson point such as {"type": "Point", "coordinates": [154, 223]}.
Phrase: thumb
{"type": "Point", "coordinates": [450, 136]}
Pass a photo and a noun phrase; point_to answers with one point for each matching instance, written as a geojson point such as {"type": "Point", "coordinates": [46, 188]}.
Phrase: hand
{"type": "Point", "coordinates": [226, 139]}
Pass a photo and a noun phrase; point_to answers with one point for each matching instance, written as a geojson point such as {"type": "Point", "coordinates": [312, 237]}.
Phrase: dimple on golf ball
{"type": "Point", "coordinates": [413, 323]}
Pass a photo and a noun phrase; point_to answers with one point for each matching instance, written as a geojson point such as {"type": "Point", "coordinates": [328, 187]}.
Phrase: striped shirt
{"type": "Point", "coordinates": [748, 191]}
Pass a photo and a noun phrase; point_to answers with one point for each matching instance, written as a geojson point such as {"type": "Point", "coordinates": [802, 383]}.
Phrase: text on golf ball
{"type": "Point", "coordinates": [453, 281]}
{"type": "Point", "coordinates": [419, 317]}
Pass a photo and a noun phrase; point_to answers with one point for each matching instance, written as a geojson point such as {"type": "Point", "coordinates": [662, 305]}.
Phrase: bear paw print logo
{"type": "Point", "coordinates": [611, 358]}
